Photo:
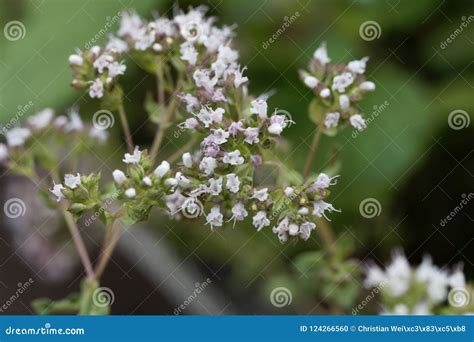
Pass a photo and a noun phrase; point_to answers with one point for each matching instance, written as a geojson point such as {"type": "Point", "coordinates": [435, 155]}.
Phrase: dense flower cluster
{"type": "Point", "coordinates": [413, 290]}
{"type": "Point", "coordinates": [216, 181]}
{"type": "Point", "coordinates": [337, 88]}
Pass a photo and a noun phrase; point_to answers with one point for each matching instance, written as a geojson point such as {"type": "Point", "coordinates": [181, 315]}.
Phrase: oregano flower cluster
{"type": "Point", "coordinates": [203, 91]}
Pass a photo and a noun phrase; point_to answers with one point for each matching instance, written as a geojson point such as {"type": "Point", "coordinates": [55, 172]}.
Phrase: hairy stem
{"type": "Point", "coordinates": [312, 152]}
{"type": "Point", "coordinates": [126, 129]}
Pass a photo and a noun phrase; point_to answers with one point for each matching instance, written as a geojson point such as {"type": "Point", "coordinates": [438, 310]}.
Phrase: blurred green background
{"type": "Point", "coordinates": [409, 159]}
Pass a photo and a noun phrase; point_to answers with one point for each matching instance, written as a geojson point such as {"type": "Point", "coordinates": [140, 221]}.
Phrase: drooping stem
{"type": "Point", "coordinates": [312, 152]}
{"type": "Point", "coordinates": [126, 128]}
{"type": "Point", "coordinates": [78, 242]}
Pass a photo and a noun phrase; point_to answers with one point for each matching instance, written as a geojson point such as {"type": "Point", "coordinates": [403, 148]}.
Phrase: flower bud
{"type": "Point", "coordinates": [119, 177]}
{"type": "Point", "coordinates": [162, 169]}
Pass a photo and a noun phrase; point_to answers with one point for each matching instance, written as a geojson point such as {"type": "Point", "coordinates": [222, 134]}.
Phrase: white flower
{"type": "Point", "coordinates": [187, 160]}
{"type": "Point", "coordinates": [305, 229]}
{"type": "Point", "coordinates": [323, 182]}
{"type": "Point", "coordinates": [220, 136]}
{"type": "Point", "coordinates": [277, 124]}
{"type": "Point", "coordinates": [341, 82]}
{"type": "Point", "coordinates": [157, 47]}
{"type": "Point", "coordinates": [282, 230]}
{"type": "Point", "coordinates": [232, 183]}
{"type": "Point", "coordinates": [311, 81]}
{"type": "Point", "coordinates": [203, 79]}
{"type": "Point", "coordinates": [261, 195]}
{"type": "Point", "coordinates": [209, 116]}
{"type": "Point", "coordinates": [303, 211]}
{"type": "Point", "coordinates": [321, 54]}
{"type": "Point", "coordinates": [398, 274]}
{"type": "Point", "coordinates": [57, 191]}
{"type": "Point", "coordinates": [260, 220]}
{"type": "Point", "coordinates": [215, 186]}
{"type": "Point", "coordinates": [239, 79]}
{"type": "Point", "coordinates": [116, 69]}
{"type": "Point", "coordinates": [191, 102]}
{"type": "Point", "coordinates": [332, 119]}
{"type": "Point", "coordinates": [17, 136]}
{"type": "Point", "coordinates": [98, 135]}
{"type": "Point", "coordinates": [344, 102]}
{"type": "Point", "coordinates": [367, 86]}
{"type": "Point", "coordinates": [117, 45]}
{"type": "Point", "coordinates": [233, 158]}
{"type": "Point", "coordinates": [75, 122]}
{"type": "Point", "coordinates": [259, 107]}
{"type": "Point", "coordinates": [326, 92]}
{"type": "Point", "coordinates": [72, 181]}
{"type": "Point", "coordinates": [215, 218]}
{"type": "Point", "coordinates": [119, 177]}
{"type": "Point", "coordinates": [208, 164]}
{"type": "Point", "coordinates": [133, 158]}
{"type": "Point", "coordinates": [147, 181]}
{"type": "Point", "coordinates": [96, 89]}
{"type": "Point", "coordinates": [102, 62]}
{"type": "Point", "coordinates": [190, 123]}
{"type": "Point", "coordinates": [76, 60]}
{"type": "Point", "coordinates": [238, 212]}
{"type": "Point", "coordinates": [3, 152]}
{"type": "Point", "coordinates": [162, 169]}
{"type": "Point", "coordinates": [293, 229]}
{"type": "Point", "coordinates": [358, 122]}
{"type": "Point", "coordinates": [358, 66]}
{"type": "Point", "coordinates": [251, 135]}
{"type": "Point", "coordinates": [182, 180]}
{"type": "Point", "coordinates": [144, 41]}
{"type": "Point", "coordinates": [130, 192]}
{"type": "Point", "coordinates": [41, 119]}
{"type": "Point", "coordinates": [374, 276]}
{"type": "Point", "coordinates": [457, 279]}
{"type": "Point", "coordinates": [319, 207]}
{"type": "Point", "coordinates": [188, 53]}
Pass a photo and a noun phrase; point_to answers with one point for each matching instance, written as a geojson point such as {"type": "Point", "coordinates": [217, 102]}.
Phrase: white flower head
{"type": "Point", "coordinates": [332, 120]}
{"type": "Point", "coordinates": [72, 181]}
{"type": "Point", "coordinates": [17, 136]}
{"type": "Point", "coordinates": [341, 82]}
{"type": "Point", "coordinates": [358, 66]}
{"type": "Point", "coordinates": [320, 207]}
{"type": "Point", "coordinates": [321, 54]}
{"type": "Point", "coordinates": [133, 158]}
{"type": "Point", "coordinates": [215, 186]}
{"type": "Point", "coordinates": [233, 158]}
{"type": "Point", "coordinates": [325, 93]}
{"type": "Point", "coordinates": [233, 183]}
{"type": "Point", "coordinates": [215, 217]}
{"type": "Point", "coordinates": [323, 181]}
{"type": "Point", "coordinates": [311, 81]}
{"type": "Point", "coordinates": [187, 160]}
{"type": "Point", "coordinates": [57, 191]}
{"type": "Point", "coordinates": [358, 122]}
{"type": "Point", "coordinates": [260, 195]}
{"type": "Point", "coordinates": [162, 169]}
{"type": "Point", "coordinates": [119, 177]}
{"type": "Point", "coordinates": [260, 220]}
{"type": "Point", "coordinates": [41, 119]}
{"type": "Point", "coordinates": [259, 107]}
{"type": "Point", "coordinates": [238, 212]}
{"type": "Point", "coordinates": [96, 89]}
{"type": "Point", "coordinates": [130, 192]}
{"type": "Point", "coordinates": [207, 165]}
{"type": "Point", "coordinates": [251, 135]}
